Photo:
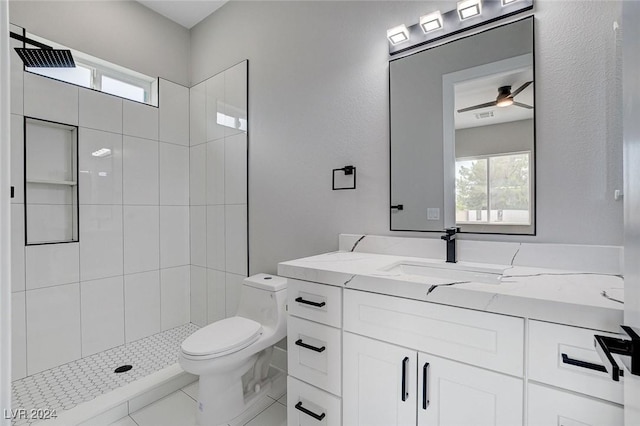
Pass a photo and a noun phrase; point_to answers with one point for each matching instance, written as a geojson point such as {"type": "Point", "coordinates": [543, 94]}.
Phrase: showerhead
{"type": "Point", "coordinates": [46, 58]}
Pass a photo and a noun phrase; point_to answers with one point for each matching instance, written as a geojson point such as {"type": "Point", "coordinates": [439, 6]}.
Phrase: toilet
{"type": "Point", "coordinates": [232, 356]}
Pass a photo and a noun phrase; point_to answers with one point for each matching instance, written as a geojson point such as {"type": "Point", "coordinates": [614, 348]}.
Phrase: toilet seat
{"type": "Point", "coordinates": [221, 338]}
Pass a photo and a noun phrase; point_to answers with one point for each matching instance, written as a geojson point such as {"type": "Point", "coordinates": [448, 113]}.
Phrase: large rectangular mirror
{"type": "Point", "coordinates": [463, 134]}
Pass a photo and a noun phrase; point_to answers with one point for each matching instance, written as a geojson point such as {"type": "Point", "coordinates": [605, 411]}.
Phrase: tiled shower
{"type": "Point", "coordinates": [162, 218]}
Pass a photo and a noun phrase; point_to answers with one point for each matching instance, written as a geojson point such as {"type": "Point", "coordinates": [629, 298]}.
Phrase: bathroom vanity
{"type": "Point", "coordinates": [505, 337]}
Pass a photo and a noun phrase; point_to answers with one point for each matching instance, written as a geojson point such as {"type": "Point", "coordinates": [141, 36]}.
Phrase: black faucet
{"type": "Point", "coordinates": [450, 238]}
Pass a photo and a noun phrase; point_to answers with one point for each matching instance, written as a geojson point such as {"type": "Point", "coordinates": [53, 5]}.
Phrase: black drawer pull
{"type": "Point", "coordinates": [313, 348]}
{"type": "Point", "coordinates": [405, 392]}
{"type": "Point", "coordinates": [309, 412]}
{"type": "Point", "coordinates": [583, 364]}
{"type": "Point", "coordinates": [425, 386]}
{"type": "Point", "coordinates": [309, 302]}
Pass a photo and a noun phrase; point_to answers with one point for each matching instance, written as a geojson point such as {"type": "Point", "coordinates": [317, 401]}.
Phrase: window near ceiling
{"type": "Point", "coordinates": [97, 74]}
{"type": "Point", "coordinates": [494, 190]}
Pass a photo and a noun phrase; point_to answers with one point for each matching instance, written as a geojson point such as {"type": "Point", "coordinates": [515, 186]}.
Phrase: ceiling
{"type": "Point", "coordinates": [185, 12]}
{"type": "Point", "coordinates": [483, 90]}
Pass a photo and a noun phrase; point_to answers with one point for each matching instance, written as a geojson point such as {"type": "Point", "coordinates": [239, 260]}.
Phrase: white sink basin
{"type": "Point", "coordinates": [456, 272]}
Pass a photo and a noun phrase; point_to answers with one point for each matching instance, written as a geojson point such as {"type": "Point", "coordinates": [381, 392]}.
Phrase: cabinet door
{"type": "Point", "coordinates": [379, 383]}
{"type": "Point", "coordinates": [455, 394]}
{"type": "Point", "coordinates": [548, 406]}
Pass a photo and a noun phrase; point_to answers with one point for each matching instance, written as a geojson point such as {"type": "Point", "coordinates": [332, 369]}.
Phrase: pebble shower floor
{"type": "Point", "coordinates": [63, 387]}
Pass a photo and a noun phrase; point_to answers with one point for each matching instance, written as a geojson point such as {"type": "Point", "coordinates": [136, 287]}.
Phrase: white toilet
{"type": "Point", "coordinates": [232, 356]}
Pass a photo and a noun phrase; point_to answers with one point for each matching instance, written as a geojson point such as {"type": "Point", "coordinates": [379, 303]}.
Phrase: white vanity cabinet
{"type": "Point", "coordinates": [314, 354]}
{"type": "Point", "coordinates": [386, 384]}
{"type": "Point", "coordinates": [359, 358]}
{"type": "Point", "coordinates": [563, 361]}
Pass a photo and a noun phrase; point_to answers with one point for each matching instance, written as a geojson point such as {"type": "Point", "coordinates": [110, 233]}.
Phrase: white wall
{"type": "Point", "coordinates": [122, 32]}
{"type": "Point", "coordinates": [498, 138]}
{"type": "Point", "coordinates": [319, 100]}
{"type": "Point", "coordinates": [128, 276]}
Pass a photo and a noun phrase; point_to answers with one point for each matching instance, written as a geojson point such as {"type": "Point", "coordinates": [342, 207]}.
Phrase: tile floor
{"type": "Point", "coordinates": [179, 409]}
{"type": "Point", "coordinates": [68, 385]}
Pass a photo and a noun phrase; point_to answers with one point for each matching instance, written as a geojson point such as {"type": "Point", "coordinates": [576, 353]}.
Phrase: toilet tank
{"type": "Point", "coordinates": [263, 298]}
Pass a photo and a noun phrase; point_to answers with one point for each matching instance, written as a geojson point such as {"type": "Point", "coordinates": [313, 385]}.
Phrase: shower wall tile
{"type": "Point", "coordinates": [17, 248]}
{"type": "Point", "coordinates": [216, 295]}
{"type": "Point", "coordinates": [236, 99]}
{"type": "Point", "coordinates": [139, 120]}
{"type": "Point", "coordinates": [219, 179]}
{"type": "Point", "coordinates": [174, 175]}
{"type": "Point", "coordinates": [233, 287]}
{"type": "Point", "coordinates": [18, 336]}
{"type": "Point", "coordinates": [215, 237]}
{"type": "Point", "coordinates": [100, 111]}
{"type": "Point", "coordinates": [141, 238]}
{"type": "Point", "coordinates": [49, 99]}
{"type": "Point", "coordinates": [198, 295]}
{"type": "Point", "coordinates": [175, 299]}
{"type": "Point", "coordinates": [174, 236]}
{"type": "Point", "coordinates": [17, 157]}
{"type": "Point", "coordinates": [141, 305]}
{"type": "Point", "coordinates": [174, 113]}
{"type": "Point", "coordinates": [198, 240]}
{"type": "Point", "coordinates": [215, 172]}
{"type": "Point", "coordinates": [102, 314]}
{"type": "Point", "coordinates": [236, 239]}
{"type": "Point", "coordinates": [235, 169]}
{"type": "Point", "coordinates": [140, 171]}
{"type": "Point", "coordinates": [101, 251]}
{"type": "Point", "coordinates": [17, 78]}
{"type": "Point", "coordinates": [215, 107]}
{"type": "Point", "coordinates": [198, 175]}
{"type": "Point", "coordinates": [51, 264]}
{"type": "Point", "coordinates": [197, 114]}
{"type": "Point", "coordinates": [86, 297]}
{"type": "Point", "coordinates": [100, 176]}
{"type": "Point", "coordinates": [53, 327]}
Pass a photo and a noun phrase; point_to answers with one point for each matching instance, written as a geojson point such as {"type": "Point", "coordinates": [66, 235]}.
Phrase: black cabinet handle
{"type": "Point", "coordinates": [313, 348]}
{"type": "Point", "coordinates": [405, 393]}
{"type": "Point", "coordinates": [425, 386]}
{"type": "Point", "coordinates": [583, 364]}
{"type": "Point", "coordinates": [309, 302]}
{"type": "Point", "coordinates": [397, 207]}
{"type": "Point", "coordinates": [309, 412]}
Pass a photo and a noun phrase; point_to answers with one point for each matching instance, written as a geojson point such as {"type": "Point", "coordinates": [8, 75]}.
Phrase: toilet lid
{"type": "Point", "coordinates": [222, 336]}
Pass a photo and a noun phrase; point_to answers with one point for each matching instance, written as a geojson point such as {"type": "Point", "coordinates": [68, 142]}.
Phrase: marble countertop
{"type": "Point", "coordinates": [560, 296]}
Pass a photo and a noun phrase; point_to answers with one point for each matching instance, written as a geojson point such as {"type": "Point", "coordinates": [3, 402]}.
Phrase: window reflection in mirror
{"type": "Point", "coordinates": [493, 122]}
{"type": "Point", "coordinates": [493, 151]}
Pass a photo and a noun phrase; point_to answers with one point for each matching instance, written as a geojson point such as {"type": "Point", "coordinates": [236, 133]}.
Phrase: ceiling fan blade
{"type": "Point", "coordinates": [471, 108]}
{"type": "Point", "coordinates": [522, 105]}
{"type": "Point", "coordinates": [521, 88]}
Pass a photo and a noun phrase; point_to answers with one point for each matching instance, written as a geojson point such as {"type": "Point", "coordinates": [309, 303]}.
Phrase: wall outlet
{"type": "Point", "coordinates": [433, 214]}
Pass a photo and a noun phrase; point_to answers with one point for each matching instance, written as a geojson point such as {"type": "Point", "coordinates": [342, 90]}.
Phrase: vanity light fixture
{"type": "Point", "coordinates": [438, 25]}
{"type": "Point", "coordinates": [431, 22]}
{"type": "Point", "coordinates": [397, 35]}
{"type": "Point", "coordinates": [469, 8]}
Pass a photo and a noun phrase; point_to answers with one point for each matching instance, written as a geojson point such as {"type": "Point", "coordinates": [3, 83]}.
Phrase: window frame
{"type": "Point", "coordinates": [489, 227]}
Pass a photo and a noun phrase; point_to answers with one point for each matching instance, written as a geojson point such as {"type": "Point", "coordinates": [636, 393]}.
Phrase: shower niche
{"type": "Point", "coordinates": [51, 182]}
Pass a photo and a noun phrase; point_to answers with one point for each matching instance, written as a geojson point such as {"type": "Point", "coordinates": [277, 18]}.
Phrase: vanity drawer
{"type": "Point", "coordinates": [317, 302]}
{"type": "Point", "coordinates": [305, 404]}
{"type": "Point", "coordinates": [554, 351]}
{"type": "Point", "coordinates": [314, 354]}
{"type": "Point", "coordinates": [491, 341]}
{"type": "Point", "coordinates": [548, 406]}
